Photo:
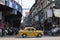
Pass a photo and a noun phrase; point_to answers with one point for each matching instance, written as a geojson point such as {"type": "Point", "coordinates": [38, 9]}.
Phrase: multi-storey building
{"type": "Point", "coordinates": [43, 10]}
{"type": "Point", "coordinates": [11, 13]}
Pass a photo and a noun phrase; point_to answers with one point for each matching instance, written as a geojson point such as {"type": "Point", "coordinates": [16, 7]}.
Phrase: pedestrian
{"type": "Point", "coordinates": [2, 28]}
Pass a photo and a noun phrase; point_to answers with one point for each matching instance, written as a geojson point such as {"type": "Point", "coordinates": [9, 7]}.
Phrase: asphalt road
{"type": "Point", "coordinates": [43, 38]}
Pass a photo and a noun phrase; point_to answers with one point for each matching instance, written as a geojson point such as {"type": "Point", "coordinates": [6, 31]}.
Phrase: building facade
{"type": "Point", "coordinates": [27, 23]}
{"type": "Point", "coordinates": [11, 13]}
{"type": "Point", "coordinates": [43, 11]}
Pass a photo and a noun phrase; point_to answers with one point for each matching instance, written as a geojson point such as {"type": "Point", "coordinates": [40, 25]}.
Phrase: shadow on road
{"type": "Point", "coordinates": [36, 37]}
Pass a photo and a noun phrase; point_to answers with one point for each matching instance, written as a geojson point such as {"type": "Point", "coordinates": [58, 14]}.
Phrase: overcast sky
{"type": "Point", "coordinates": [26, 4]}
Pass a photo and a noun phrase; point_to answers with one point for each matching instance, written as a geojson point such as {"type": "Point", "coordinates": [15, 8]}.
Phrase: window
{"type": "Point", "coordinates": [32, 29]}
{"type": "Point", "coordinates": [28, 29]}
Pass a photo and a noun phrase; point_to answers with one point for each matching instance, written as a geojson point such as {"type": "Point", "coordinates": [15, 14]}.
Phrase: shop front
{"type": "Point", "coordinates": [57, 16]}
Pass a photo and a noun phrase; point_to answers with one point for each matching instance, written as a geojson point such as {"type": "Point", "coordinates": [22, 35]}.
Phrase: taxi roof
{"type": "Point", "coordinates": [29, 28]}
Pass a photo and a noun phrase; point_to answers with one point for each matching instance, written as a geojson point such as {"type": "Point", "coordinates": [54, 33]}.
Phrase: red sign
{"type": "Point", "coordinates": [2, 26]}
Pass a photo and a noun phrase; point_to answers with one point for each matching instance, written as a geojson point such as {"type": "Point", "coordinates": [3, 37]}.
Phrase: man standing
{"type": "Point", "coordinates": [1, 28]}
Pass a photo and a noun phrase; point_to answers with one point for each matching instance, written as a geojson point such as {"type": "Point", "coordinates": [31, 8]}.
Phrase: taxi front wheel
{"type": "Point", "coordinates": [24, 35]}
{"type": "Point", "coordinates": [39, 35]}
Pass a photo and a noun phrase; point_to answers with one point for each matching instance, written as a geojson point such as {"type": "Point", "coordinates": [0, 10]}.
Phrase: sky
{"type": "Point", "coordinates": [26, 4]}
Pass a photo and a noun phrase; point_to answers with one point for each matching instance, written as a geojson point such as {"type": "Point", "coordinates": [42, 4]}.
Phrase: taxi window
{"type": "Point", "coordinates": [33, 29]}
{"type": "Point", "coordinates": [28, 29]}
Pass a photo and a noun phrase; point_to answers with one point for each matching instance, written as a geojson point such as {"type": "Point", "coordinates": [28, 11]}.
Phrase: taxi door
{"type": "Point", "coordinates": [34, 33]}
{"type": "Point", "coordinates": [28, 32]}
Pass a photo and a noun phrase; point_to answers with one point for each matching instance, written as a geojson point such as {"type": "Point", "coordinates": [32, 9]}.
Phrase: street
{"type": "Point", "coordinates": [33, 19]}
{"type": "Point", "coordinates": [43, 38]}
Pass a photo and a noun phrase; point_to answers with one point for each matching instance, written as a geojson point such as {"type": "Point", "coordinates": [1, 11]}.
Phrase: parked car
{"type": "Point", "coordinates": [30, 31]}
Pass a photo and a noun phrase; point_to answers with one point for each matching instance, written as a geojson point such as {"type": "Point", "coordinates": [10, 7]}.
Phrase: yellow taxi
{"type": "Point", "coordinates": [30, 31]}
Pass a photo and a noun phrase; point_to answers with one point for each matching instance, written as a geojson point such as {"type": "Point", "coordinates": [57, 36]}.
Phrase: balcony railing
{"type": "Point", "coordinates": [13, 4]}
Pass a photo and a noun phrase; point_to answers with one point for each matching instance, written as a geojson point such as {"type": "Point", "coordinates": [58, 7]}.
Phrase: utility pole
{"type": "Point", "coordinates": [42, 17]}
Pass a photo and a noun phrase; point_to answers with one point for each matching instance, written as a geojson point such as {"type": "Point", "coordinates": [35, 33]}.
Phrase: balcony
{"type": "Point", "coordinates": [14, 5]}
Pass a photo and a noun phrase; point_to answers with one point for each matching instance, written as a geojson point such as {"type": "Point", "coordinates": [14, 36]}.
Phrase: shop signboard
{"type": "Point", "coordinates": [36, 18]}
{"type": "Point", "coordinates": [57, 12]}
